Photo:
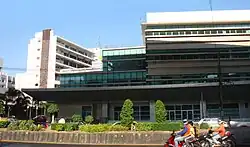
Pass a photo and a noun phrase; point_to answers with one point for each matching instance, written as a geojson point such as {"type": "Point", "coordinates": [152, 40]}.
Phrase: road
{"type": "Point", "coordinates": [59, 145]}
{"type": "Point", "coordinates": [43, 145]}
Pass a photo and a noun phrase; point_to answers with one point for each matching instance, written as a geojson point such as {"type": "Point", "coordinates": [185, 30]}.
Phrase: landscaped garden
{"type": "Point", "coordinates": [126, 122]}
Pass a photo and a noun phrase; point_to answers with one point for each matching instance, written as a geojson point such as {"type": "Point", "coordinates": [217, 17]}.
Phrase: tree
{"type": "Point", "coordinates": [77, 118]}
{"type": "Point", "coordinates": [17, 102]}
{"type": "Point", "coordinates": [52, 109]}
{"type": "Point", "coordinates": [126, 115]}
{"type": "Point", "coordinates": [1, 108]}
{"type": "Point", "coordinates": [89, 119]}
{"type": "Point", "coordinates": [43, 105]}
{"type": "Point", "coordinates": [160, 112]}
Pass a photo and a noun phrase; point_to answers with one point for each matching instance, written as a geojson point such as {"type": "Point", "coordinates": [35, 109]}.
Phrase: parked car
{"type": "Point", "coordinates": [212, 122]}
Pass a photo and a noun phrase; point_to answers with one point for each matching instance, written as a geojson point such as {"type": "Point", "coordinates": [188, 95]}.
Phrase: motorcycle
{"type": "Point", "coordinates": [227, 141]}
{"type": "Point", "coordinates": [170, 143]}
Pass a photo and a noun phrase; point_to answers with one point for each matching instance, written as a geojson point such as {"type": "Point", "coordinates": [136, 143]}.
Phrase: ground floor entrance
{"type": "Point", "coordinates": [144, 110]}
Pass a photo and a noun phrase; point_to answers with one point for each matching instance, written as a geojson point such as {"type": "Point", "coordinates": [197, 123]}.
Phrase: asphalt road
{"type": "Point", "coordinates": [43, 145]}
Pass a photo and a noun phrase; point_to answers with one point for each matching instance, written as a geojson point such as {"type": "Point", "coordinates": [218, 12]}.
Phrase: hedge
{"type": "Point", "coordinates": [4, 123]}
{"type": "Point", "coordinates": [24, 125]}
{"type": "Point", "coordinates": [167, 126]}
{"type": "Point", "coordinates": [64, 127]}
{"type": "Point", "coordinates": [102, 128]}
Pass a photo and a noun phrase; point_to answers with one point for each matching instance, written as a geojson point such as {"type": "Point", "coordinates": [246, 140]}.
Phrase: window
{"type": "Point", "coordinates": [36, 84]}
{"type": "Point", "coordinates": [246, 105]}
{"type": "Point", "coordinates": [37, 58]}
{"type": "Point", "coordinates": [38, 49]}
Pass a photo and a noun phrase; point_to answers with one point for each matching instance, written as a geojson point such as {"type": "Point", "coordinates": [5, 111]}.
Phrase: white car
{"type": "Point", "coordinates": [212, 122]}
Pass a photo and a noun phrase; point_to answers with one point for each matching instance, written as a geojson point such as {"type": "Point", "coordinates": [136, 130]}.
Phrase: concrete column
{"type": "Point", "coordinates": [203, 108]}
{"type": "Point", "coordinates": [111, 112]}
{"type": "Point", "coordinates": [152, 110]}
{"type": "Point", "coordinates": [105, 110]}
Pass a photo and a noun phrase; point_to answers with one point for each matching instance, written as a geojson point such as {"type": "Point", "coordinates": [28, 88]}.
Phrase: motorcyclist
{"type": "Point", "coordinates": [183, 134]}
{"type": "Point", "coordinates": [192, 133]}
{"type": "Point", "coordinates": [220, 132]}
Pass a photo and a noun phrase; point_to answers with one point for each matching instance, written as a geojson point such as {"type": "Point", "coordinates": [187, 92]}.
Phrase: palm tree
{"type": "Point", "coordinates": [18, 102]}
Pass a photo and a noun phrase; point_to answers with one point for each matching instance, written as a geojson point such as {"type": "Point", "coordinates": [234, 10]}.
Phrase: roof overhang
{"type": "Point", "coordinates": [149, 92]}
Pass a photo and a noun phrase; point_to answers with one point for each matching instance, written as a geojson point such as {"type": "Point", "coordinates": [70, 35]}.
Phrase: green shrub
{"type": "Point", "coordinates": [4, 123]}
{"type": "Point", "coordinates": [64, 127]}
{"type": "Point", "coordinates": [144, 126]}
{"type": "Point", "coordinates": [94, 128]}
{"type": "Point", "coordinates": [77, 118]}
{"type": "Point", "coordinates": [70, 127]}
{"type": "Point", "coordinates": [89, 119]}
{"type": "Point", "coordinates": [168, 126]}
{"type": "Point", "coordinates": [13, 125]}
{"type": "Point", "coordinates": [118, 128]}
{"type": "Point", "coordinates": [127, 112]}
{"type": "Point", "coordinates": [160, 112]}
{"type": "Point", "coordinates": [38, 128]}
{"type": "Point", "coordinates": [22, 125]}
{"type": "Point", "coordinates": [204, 126]}
{"type": "Point", "coordinates": [53, 126]}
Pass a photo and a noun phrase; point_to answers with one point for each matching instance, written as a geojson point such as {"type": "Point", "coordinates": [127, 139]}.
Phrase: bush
{"type": "Point", "coordinates": [167, 126]}
{"type": "Point", "coordinates": [160, 112]}
{"type": "Point", "coordinates": [77, 118]}
{"type": "Point", "coordinates": [4, 123]}
{"type": "Point", "coordinates": [204, 126]}
{"type": "Point", "coordinates": [118, 128]}
{"type": "Point", "coordinates": [64, 127]}
{"type": "Point", "coordinates": [147, 126]}
{"type": "Point", "coordinates": [57, 127]}
{"type": "Point", "coordinates": [94, 128]}
{"type": "Point", "coordinates": [13, 125]}
{"type": "Point", "coordinates": [127, 112]}
{"type": "Point", "coordinates": [22, 125]}
{"type": "Point", "coordinates": [89, 119]}
{"type": "Point", "coordinates": [70, 127]}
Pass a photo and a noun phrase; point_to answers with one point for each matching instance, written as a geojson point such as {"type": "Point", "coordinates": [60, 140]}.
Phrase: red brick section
{"type": "Point", "coordinates": [44, 58]}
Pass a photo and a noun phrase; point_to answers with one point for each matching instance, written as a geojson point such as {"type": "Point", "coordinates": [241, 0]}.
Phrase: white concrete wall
{"type": "Point", "coordinates": [26, 80]}
{"type": "Point", "coordinates": [198, 16]}
{"type": "Point", "coordinates": [52, 61]}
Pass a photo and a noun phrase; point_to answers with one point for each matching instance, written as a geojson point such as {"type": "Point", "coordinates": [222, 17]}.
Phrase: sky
{"type": "Point", "coordinates": [114, 22]}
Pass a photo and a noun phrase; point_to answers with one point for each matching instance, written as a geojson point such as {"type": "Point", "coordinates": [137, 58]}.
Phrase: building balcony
{"type": "Point", "coordinates": [73, 60]}
{"type": "Point", "coordinates": [74, 52]}
{"type": "Point", "coordinates": [64, 65]}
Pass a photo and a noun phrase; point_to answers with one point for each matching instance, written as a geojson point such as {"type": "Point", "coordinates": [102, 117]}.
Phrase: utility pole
{"type": "Point", "coordinates": [220, 85]}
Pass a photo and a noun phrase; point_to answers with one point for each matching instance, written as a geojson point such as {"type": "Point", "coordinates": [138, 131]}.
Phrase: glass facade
{"type": "Point", "coordinates": [141, 112]}
{"type": "Point", "coordinates": [180, 112]}
{"type": "Point", "coordinates": [130, 66]}
{"type": "Point", "coordinates": [122, 67]}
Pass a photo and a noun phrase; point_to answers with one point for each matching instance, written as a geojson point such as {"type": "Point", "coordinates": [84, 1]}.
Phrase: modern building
{"type": "Point", "coordinates": [6, 81]}
{"type": "Point", "coordinates": [47, 55]}
{"type": "Point", "coordinates": [184, 55]}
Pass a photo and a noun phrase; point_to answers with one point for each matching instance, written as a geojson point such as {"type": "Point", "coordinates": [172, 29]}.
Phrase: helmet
{"type": "Point", "coordinates": [185, 121]}
{"type": "Point", "coordinates": [191, 122]}
{"type": "Point", "coordinates": [221, 122]}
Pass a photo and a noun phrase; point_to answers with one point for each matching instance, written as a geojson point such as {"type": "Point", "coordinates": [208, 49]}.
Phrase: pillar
{"type": "Point", "coordinates": [203, 108]}
{"type": "Point", "coordinates": [152, 110]}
